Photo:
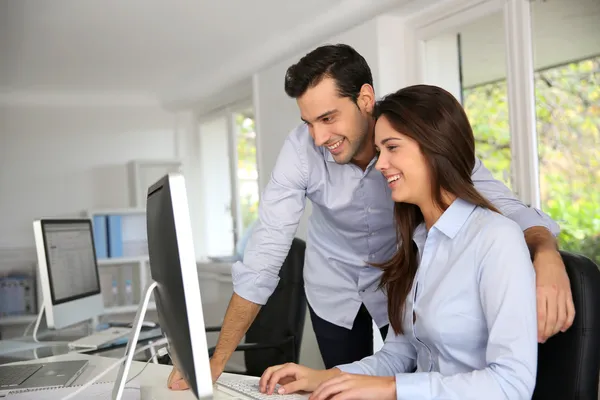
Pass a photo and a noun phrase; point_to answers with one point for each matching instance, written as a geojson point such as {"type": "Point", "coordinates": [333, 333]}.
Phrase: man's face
{"type": "Point", "coordinates": [335, 122]}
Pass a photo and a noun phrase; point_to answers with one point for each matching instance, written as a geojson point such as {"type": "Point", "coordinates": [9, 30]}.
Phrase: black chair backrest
{"type": "Point", "coordinates": [569, 362]}
{"type": "Point", "coordinates": [282, 317]}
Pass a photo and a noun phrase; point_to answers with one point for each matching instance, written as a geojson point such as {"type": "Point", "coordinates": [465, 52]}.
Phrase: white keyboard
{"type": "Point", "coordinates": [248, 387]}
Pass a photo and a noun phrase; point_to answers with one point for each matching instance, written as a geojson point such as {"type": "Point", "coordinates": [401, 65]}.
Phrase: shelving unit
{"type": "Point", "coordinates": [134, 264]}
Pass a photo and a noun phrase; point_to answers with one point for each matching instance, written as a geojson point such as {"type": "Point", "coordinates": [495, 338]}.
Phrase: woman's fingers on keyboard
{"type": "Point", "coordinates": [266, 377]}
{"type": "Point", "coordinates": [294, 386]}
{"type": "Point", "coordinates": [284, 375]}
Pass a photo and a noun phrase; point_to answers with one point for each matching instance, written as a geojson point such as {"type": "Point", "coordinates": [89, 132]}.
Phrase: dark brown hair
{"type": "Point", "coordinates": [437, 122]}
{"type": "Point", "coordinates": [341, 62]}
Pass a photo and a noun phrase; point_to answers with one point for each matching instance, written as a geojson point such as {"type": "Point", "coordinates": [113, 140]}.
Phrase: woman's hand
{"type": "Point", "coordinates": [356, 387]}
{"type": "Point", "coordinates": [293, 378]}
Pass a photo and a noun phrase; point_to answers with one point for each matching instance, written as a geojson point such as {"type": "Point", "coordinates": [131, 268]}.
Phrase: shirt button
{"type": "Point", "coordinates": [369, 209]}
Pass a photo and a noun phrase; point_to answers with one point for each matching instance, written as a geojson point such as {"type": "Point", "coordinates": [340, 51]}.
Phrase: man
{"type": "Point", "coordinates": [329, 159]}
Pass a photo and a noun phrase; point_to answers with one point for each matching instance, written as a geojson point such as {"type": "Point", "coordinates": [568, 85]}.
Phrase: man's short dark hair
{"type": "Point", "coordinates": [340, 62]}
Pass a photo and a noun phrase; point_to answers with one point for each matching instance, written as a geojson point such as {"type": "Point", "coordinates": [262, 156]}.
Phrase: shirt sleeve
{"type": "Point", "coordinates": [508, 297]}
{"type": "Point", "coordinates": [281, 206]}
{"type": "Point", "coordinates": [397, 355]}
{"type": "Point", "coordinates": [508, 204]}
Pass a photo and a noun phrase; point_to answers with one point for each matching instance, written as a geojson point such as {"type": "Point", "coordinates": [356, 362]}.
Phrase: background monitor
{"type": "Point", "coordinates": [68, 271]}
{"type": "Point", "coordinates": [177, 293]}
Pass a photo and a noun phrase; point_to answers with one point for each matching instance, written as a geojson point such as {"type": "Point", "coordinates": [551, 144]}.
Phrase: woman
{"type": "Point", "coordinates": [462, 304]}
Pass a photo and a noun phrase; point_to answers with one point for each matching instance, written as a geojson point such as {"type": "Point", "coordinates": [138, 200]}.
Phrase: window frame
{"type": "Point", "coordinates": [448, 17]}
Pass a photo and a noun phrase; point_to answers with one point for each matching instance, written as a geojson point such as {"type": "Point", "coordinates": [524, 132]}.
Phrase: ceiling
{"type": "Point", "coordinates": [136, 46]}
{"type": "Point", "coordinates": [149, 48]}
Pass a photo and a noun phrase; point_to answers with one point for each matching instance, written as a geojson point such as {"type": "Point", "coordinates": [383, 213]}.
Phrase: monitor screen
{"type": "Point", "coordinates": [71, 260]}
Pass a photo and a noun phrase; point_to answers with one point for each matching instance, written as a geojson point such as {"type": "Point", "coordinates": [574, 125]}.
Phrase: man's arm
{"type": "Point", "coordinates": [254, 280]}
{"type": "Point", "coordinates": [555, 301]}
{"type": "Point", "coordinates": [239, 316]}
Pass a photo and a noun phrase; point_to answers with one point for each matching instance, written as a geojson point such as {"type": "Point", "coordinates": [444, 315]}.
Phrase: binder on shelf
{"type": "Point", "coordinates": [100, 236]}
{"type": "Point", "coordinates": [115, 236]}
{"type": "Point", "coordinates": [17, 296]}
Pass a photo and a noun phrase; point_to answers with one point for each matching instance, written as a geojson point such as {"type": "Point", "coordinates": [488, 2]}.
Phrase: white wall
{"type": "Point", "coordinates": [60, 161]}
{"type": "Point", "coordinates": [378, 40]}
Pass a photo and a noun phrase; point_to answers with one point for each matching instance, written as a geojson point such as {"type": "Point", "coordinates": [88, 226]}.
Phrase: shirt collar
{"type": "Point", "coordinates": [328, 155]}
{"type": "Point", "coordinates": [455, 216]}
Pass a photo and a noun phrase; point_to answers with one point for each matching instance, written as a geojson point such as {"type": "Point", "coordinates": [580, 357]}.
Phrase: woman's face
{"type": "Point", "coordinates": [402, 163]}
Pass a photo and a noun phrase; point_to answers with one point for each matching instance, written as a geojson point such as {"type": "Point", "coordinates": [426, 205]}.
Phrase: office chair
{"type": "Point", "coordinates": [569, 362]}
{"type": "Point", "coordinates": [275, 336]}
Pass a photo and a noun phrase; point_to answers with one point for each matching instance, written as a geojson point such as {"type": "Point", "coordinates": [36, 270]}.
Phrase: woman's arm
{"type": "Point", "coordinates": [397, 355]}
{"type": "Point", "coordinates": [508, 297]}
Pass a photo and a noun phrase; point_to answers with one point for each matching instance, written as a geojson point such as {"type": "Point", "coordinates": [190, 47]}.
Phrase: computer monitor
{"type": "Point", "coordinates": [177, 292]}
{"type": "Point", "coordinates": [68, 271]}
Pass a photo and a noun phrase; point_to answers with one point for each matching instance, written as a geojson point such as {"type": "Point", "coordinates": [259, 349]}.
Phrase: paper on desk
{"type": "Point", "coordinates": [97, 391]}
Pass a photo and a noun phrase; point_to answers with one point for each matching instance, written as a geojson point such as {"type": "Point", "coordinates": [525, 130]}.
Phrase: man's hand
{"type": "Point", "coordinates": [177, 382]}
{"type": "Point", "coordinates": [216, 369]}
{"type": "Point", "coordinates": [293, 378]}
{"type": "Point", "coordinates": [554, 298]}
{"type": "Point", "coordinates": [356, 387]}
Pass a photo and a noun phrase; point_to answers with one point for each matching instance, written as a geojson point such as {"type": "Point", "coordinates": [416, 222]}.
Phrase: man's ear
{"type": "Point", "coordinates": [366, 98]}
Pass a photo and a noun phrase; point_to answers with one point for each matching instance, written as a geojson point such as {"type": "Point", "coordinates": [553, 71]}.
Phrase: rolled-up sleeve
{"type": "Point", "coordinates": [508, 204]}
{"type": "Point", "coordinates": [396, 356]}
{"type": "Point", "coordinates": [281, 206]}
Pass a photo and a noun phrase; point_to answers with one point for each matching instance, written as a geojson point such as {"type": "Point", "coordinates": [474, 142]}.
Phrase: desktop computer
{"type": "Point", "coordinates": [69, 279]}
{"type": "Point", "coordinates": [177, 296]}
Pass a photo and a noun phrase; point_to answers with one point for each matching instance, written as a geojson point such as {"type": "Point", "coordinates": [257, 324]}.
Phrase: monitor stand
{"type": "Point", "coordinates": [89, 342]}
{"type": "Point", "coordinates": [121, 380]}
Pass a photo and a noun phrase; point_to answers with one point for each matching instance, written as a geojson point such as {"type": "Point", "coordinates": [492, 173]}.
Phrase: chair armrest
{"type": "Point", "coordinates": [213, 328]}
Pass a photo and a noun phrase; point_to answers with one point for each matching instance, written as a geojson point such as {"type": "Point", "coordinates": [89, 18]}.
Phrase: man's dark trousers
{"type": "Point", "coordinates": [339, 345]}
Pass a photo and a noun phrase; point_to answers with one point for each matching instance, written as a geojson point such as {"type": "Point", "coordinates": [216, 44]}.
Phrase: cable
{"type": "Point", "coordinates": [28, 326]}
{"type": "Point", "coordinates": [37, 323]}
{"type": "Point", "coordinates": [115, 364]}
{"type": "Point", "coordinates": [157, 354]}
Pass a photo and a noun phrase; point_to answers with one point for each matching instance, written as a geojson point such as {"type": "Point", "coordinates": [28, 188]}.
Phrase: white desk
{"type": "Point", "coordinates": [153, 380]}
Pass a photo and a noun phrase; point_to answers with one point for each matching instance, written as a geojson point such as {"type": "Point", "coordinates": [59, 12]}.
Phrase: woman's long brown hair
{"type": "Point", "coordinates": [437, 122]}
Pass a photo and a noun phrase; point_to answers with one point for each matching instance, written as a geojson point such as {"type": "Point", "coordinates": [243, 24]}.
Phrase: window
{"type": "Point", "coordinates": [247, 171]}
{"type": "Point", "coordinates": [230, 180]}
{"type": "Point", "coordinates": [482, 58]}
{"type": "Point", "coordinates": [469, 62]}
{"type": "Point", "coordinates": [541, 120]}
{"type": "Point", "coordinates": [215, 157]}
{"type": "Point", "coordinates": [567, 95]}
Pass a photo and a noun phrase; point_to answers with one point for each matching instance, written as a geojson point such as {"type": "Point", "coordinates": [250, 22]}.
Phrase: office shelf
{"type": "Point", "coordinates": [126, 309]}
{"type": "Point", "coordinates": [116, 211]}
{"type": "Point", "coordinates": [17, 319]}
{"type": "Point", "coordinates": [122, 260]}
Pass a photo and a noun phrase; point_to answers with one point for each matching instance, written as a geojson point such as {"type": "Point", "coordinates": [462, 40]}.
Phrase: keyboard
{"type": "Point", "coordinates": [249, 388]}
{"type": "Point", "coordinates": [14, 375]}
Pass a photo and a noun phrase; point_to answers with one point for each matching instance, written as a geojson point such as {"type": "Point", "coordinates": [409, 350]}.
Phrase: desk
{"type": "Point", "coordinates": [153, 380]}
{"type": "Point", "coordinates": [31, 350]}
